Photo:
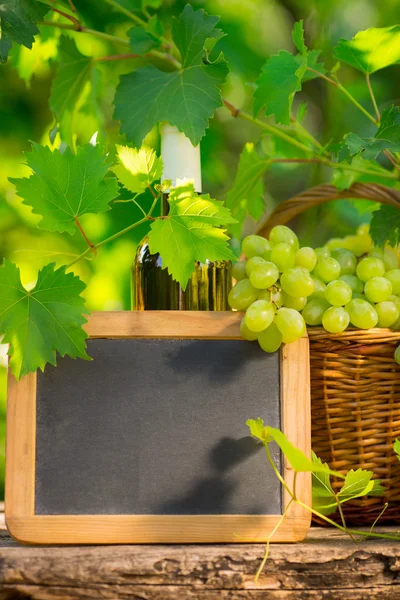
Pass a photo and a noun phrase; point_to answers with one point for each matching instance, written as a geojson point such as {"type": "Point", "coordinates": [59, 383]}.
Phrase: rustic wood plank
{"type": "Point", "coordinates": [326, 566]}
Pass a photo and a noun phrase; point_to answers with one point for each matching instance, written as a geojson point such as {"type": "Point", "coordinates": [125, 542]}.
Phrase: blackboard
{"type": "Point", "coordinates": [157, 427]}
{"type": "Point", "coordinates": [148, 441]}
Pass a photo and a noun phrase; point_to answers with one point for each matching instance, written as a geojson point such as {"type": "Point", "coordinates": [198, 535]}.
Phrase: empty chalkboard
{"type": "Point", "coordinates": [148, 441]}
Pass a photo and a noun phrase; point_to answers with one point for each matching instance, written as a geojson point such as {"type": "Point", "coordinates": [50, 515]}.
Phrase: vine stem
{"type": "Point", "coordinates": [275, 529]}
{"type": "Point", "coordinates": [371, 93]}
{"type": "Point", "coordinates": [82, 28]}
{"type": "Point", "coordinates": [89, 243]}
{"type": "Point", "coordinates": [334, 165]}
{"type": "Point", "coordinates": [308, 135]}
{"type": "Point", "coordinates": [126, 12]}
{"type": "Point", "coordinates": [116, 235]}
{"type": "Point", "coordinates": [236, 112]}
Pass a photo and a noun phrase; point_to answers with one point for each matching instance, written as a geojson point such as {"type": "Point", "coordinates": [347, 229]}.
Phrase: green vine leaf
{"type": "Point", "coordinates": [18, 23]}
{"type": "Point", "coordinates": [142, 41]}
{"type": "Point", "coordinates": [137, 169]}
{"type": "Point", "coordinates": [186, 98]}
{"type": "Point", "coordinates": [385, 226]}
{"type": "Point", "coordinates": [359, 483]}
{"type": "Point", "coordinates": [296, 457]}
{"type": "Point", "coordinates": [74, 71]}
{"type": "Point", "coordinates": [43, 321]}
{"type": "Point", "coordinates": [247, 193]}
{"type": "Point", "coordinates": [313, 62]}
{"type": "Point", "coordinates": [298, 37]}
{"type": "Point", "coordinates": [371, 50]}
{"type": "Point", "coordinates": [190, 233]}
{"type": "Point", "coordinates": [396, 447]}
{"type": "Point", "coordinates": [389, 126]}
{"type": "Point", "coordinates": [65, 186]}
{"type": "Point", "coordinates": [323, 496]}
{"type": "Point", "coordinates": [279, 81]}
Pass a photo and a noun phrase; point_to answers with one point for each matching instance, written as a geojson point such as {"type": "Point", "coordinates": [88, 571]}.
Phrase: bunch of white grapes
{"type": "Point", "coordinates": [282, 288]}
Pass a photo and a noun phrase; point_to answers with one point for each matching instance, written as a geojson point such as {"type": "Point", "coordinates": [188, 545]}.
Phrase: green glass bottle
{"type": "Point", "coordinates": [152, 286]}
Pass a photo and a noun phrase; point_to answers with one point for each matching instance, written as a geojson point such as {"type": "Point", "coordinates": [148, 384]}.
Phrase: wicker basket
{"type": "Point", "coordinates": [355, 382]}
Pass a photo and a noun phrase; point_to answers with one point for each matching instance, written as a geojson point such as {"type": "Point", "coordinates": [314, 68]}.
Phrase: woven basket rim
{"type": "Point", "coordinates": [376, 334]}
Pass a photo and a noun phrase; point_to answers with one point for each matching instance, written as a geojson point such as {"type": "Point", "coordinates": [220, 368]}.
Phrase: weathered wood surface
{"type": "Point", "coordinates": [326, 566]}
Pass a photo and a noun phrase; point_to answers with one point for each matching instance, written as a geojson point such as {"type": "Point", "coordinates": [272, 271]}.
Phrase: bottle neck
{"type": "Point", "coordinates": [164, 205]}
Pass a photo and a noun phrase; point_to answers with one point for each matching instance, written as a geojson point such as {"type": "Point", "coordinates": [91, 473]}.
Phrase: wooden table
{"type": "Point", "coordinates": [326, 566]}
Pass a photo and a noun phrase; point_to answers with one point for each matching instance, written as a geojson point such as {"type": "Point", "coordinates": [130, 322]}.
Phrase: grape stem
{"type": "Point", "coordinates": [94, 247]}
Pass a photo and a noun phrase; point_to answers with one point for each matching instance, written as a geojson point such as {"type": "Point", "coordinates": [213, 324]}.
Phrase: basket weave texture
{"type": "Point", "coordinates": [355, 383]}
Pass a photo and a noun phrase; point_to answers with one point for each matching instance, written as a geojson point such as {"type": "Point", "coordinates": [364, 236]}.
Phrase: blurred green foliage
{"type": "Point", "coordinates": [255, 29]}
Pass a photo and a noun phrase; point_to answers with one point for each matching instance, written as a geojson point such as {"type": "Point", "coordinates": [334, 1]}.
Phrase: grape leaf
{"type": "Point", "coordinates": [371, 50]}
{"type": "Point", "coordinates": [279, 81]}
{"type": "Point", "coordinates": [65, 186]}
{"type": "Point", "coordinates": [43, 321]}
{"type": "Point", "coordinates": [246, 195]}
{"type": "Point", "coordinates": [137, 169]}
{"type": "Point", "coordinates": [296, 457]}
{"type": "Point", "coordinates": [385, 226]}
{"type": "Point", "coordinates": [188, 233]}
{"type": "Point", "coordinates": [359, 483]}
{"type": "Point", "coordinates": [389, 127]}
{"type": "Point", "coordinates": [386, 138]}
{"type": "Point", "coordinates": [186, 98]}
{"type": "Point", "coordinates": [298, 37]}
{"type": "Point", "coordinates": [74, 71]}
{"type": "Point", "coordinates": [312, 63]}
{"type": "Point", "coordinates": [142, 41]}
{"type": "Point", "coordinates": [323, 496]}
{"type": "Point", "coordinates": [18, 23]}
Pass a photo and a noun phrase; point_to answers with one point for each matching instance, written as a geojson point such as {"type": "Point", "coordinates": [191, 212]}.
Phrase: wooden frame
{"type": "Point", "coordinates": [27, 527]}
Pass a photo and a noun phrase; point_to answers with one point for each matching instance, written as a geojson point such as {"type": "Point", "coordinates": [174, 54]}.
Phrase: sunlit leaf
{"type": "Point", "coordinates": [372, 49]}
{"type": "Point", "coordinates": [323, 496]}
{"type": "Point", "coordinates": [189, 233]}
{"type": "Point", "coordinates": [43, 321]}
{"type": "Point", "coordinates": [65, 186]}
{"type": "Point", "coordinates": [137, 169]}
{"type": "Point", "coordinates": [359, 483]}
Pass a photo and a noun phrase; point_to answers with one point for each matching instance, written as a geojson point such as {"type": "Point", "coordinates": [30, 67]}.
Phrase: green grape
{"type": "Point", "coordinates": [306, 258]}
{"type": "Point", "coordinates": [239, 270]}
{"type": "Point", "coordinates": [255, 245]}
{"type": "Point", "coordinates": [282, 234]}
{"type": "Point", "coordinates": [314, 311]}
{"type": "Point", "coordinates": [376, 253]}
{"type": "Point", "coordinates": [242, 295]}
{"type": "Point", "coordinates": [270, 339]}
{"type": "Point", "coordinates": [397, 355]}
{"type": "Point", "coordinates": [362, 314]}
{"type": "Point", "coordinates": [346, 259]}
{"type": "Point", "coordinates": [390, 259]}
{"type": "Point", "coordinates": [378, 289]}
{"type": "Point", "coordinates": [297, 282]}
{"type": "Point", "coordinates": [246, 333]}
{"type": "Point", "coordinates": [336, 319]}
{"type": "Point", "coordinates": [394, 277]}
{"type": "Point", "coordinates": [388, 313]}
{"type": "Point", "coordinates": [363, 229]}
{"type": "Point", "coordinates": [284, 256]}
{"type": "Point", "coordinates": [334, 244]}
{"type": "Point", "coordinates": [273, 295]}
{"type": "Point", "coordinates": [319, 288]}
{"type": "Point", "coordinates": [322, 253]}
{"type": "Point", "coordinates": [296, 303]}
{"type": "Point", "coordinates": [358, 244]}
{"type": "Point", "coordinates": [338, 293]}
{"type": "Point", "coordinates": [353, 281]}
{"type": "Point", "coordinates": [395, 300]}
{"type": "Point", "coordinates": [370, 267]}
{"type": "Point", "coordinates": [254, 262]}
{"type": "Point", "coordinates": [327, 269]}
{"type": "Point", "coordinates": [264, 275]}
{"type": "Point", "coordinates": [259, 315]}
{"type": "Point", "coordinates": [290, 323]}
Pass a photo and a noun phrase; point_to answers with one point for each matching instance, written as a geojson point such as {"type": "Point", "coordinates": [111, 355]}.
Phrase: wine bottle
{"type": "Point", "coordinates": [153, 288]}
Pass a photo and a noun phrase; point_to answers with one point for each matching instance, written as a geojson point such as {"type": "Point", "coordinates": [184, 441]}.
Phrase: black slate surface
{"type": "Point", "coordinates": [157, 427]}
